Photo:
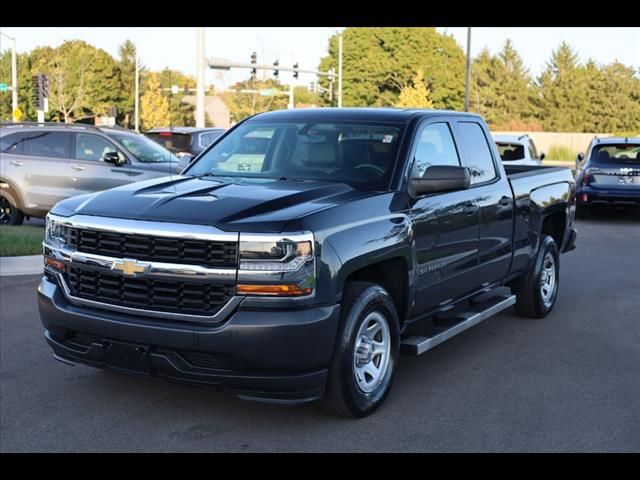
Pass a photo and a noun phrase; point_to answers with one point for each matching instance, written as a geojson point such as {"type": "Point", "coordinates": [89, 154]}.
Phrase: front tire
{"type": "Point", "coordinates": [366, 352]}
{"type": "Point", "coordinates": [9, 213]}
{"type": "Point", "coordinates": [537, 291]}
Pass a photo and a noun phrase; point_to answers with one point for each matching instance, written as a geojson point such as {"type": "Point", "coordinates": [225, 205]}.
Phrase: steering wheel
{"type": "Point", "coordinates": [371, 166]}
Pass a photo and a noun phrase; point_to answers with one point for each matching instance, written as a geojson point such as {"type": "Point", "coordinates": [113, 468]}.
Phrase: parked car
{"type": "Point", "coordinates": [518, 150]}
{"type": "Point", "coordinates": [609, 174]}
{"type": "Point", "coordinates": [185, 141]}
{"type": "Point", "coordinates": [43, 163]}
{"type": "Point", "coordinates": [297, 256]}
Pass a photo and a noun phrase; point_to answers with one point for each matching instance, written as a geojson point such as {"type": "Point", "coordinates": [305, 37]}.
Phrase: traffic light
{"type": "Point", "coordinates": [312, 87]}
{"type": "Point", "coordinates": [295, 70]}
{"type": "Point", "coordinates": [275, 71]}
{"type": "Point", "coordinates": [38, 91]}
{"type": "Point", "coordinates": [45, 86]}
{"type": "Point", "coordinates": [254, 60]}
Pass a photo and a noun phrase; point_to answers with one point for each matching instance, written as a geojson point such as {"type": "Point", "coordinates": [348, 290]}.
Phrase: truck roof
{"type": "Point", "coordinates": [383, 114]}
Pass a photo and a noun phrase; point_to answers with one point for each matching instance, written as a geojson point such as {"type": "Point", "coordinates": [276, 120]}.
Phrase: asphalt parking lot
{"type": "Point", "coordinates": [570, 382]}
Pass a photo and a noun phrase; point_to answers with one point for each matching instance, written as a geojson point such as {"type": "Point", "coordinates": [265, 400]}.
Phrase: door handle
{"type": "Point", "coordinates": [504, 201]}
{"type": "Point", "coordinates": [470, 208]}
{"type": "Point", "coordinates": [78, 167]}
{"type": "Point", "coordinates": [16, 163]}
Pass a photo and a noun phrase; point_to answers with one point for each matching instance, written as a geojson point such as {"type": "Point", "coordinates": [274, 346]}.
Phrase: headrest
{"type": "Point", "coordinates": [322, 155]}
{"type": "Point", "coordinates": [603, 156]}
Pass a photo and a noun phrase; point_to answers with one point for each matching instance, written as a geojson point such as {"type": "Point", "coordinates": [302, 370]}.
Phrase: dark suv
{"type": "Point", "coordinates": [609, 174]}
{"type": "Point", "coordinates": [185, 140]}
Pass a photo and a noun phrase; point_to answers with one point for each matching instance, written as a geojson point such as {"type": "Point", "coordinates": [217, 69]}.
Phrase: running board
{"type": "Point", "coordinates": [417, 345]}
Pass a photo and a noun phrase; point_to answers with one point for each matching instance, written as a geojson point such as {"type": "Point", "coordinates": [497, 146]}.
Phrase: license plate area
{"type": "Point", "coordinates": [127, 357]}
{"type": "Point", "coordinates": [625, 180]}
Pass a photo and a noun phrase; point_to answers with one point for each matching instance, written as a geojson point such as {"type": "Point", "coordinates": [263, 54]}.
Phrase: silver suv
{"type": "Point", "coordinates": [43, 163]}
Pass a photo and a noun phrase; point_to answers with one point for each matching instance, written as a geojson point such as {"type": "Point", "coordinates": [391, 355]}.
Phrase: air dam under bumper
{"type": "Point", "coordinates": [269, 355]}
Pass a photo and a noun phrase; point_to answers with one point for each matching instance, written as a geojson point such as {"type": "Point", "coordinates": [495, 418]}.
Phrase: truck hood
{"type": "Point", "coordinates": [230, 204]}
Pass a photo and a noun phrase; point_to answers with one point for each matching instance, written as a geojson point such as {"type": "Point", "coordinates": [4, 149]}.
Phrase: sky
{"type": "Point", "coordinates": [175, 47]}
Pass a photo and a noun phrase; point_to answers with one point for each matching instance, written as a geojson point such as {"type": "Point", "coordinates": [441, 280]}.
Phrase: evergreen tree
{"type": "Point", "coordinates": [127, 65]}
{"type": "Point", "coordinates": [562, 96]}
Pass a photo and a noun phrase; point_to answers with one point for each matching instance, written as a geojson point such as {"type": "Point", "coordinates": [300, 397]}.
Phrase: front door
{"type": "Point", "coordinates": [445, 225]}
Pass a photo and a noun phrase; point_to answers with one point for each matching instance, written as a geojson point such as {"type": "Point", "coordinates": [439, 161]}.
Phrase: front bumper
{"type": "Point", "coordinates": [266, 354]}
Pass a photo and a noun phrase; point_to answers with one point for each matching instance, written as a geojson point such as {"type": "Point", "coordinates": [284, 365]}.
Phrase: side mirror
{"type": "Point", "coordinates": [542, 156]}
{"type": "Point", "coordinates": [579, 158]}
{"type": "Point", "coordinates": [441, 178]}
{"type": "Point", "coordinates": [113, 157]}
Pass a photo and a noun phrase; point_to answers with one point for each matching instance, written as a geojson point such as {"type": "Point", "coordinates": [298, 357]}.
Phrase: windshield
{"type": "Point", "coordinates": [618, 153]}
{"type": "Point", "coordinates": [143, 149]}
{"type": "Point", "coordinates": [362, 155]}
{"type": "Point", "coordinates": [510, 151]}
{"type": "Point", "coordinates": [174, 142]}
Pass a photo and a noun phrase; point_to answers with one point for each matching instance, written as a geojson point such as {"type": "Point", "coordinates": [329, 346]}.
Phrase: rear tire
{"type": "Point", "coordinates": [10, 214]}
{"type": "Point", "coordinates": [366, 351]}
{"type": "Point", "coordinates": [537, 290]}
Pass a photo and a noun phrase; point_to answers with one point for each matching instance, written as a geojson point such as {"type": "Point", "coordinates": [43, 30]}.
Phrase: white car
{"type": "Point", "coordinates": [518, 150]}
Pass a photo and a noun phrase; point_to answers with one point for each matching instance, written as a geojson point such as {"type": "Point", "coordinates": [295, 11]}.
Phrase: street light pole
{"type": "Point", "coordinates": [200, 80]}
{"type": "Point", "coordinates": [340, 70]}
{"type": "Point", "coordinates": [137, 95]}
{"type": "Point", "coordinates": [14, 77]}
{"type": "Point", "coordinates": [467, 81]}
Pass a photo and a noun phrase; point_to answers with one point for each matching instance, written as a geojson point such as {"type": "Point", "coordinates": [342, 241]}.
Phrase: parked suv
{"type": "Point", "coordinates": [609, 174]}
{"type": "Point", "coordinates": [43, 163]}
{"type": "Point", "coordinates": [518, 150]}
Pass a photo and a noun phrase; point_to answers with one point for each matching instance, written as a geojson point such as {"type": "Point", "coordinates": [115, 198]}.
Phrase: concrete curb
{"type": "Point", "coordinates": [28, 265]}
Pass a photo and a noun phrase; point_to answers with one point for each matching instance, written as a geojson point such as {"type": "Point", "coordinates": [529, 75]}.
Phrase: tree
{"type": "Point", "coordinates": [83, 81]}
{"type": "Point", "coordinates": [127, 66]}
{"type": "Point", "coordinates": [154, 108]}
{"type": "Point", "coordinates": [562, 96]}
{"type": "Point", "coordinates": [415, 95]}
{"type": "Point", "coordinates": [379, 62]}
{"type": "Point", "coordinates": [613, 104]}
{"type": "Point", "coordinates": [25, 87]}
{"type": "Point", "coordinates": [502, 89]}
{"type": "Point", "coordinates": [302, 94]}
{"type": "Point", "coordinates": [182, 112]}
{"type": "Point", "coordinates": [242, 105]}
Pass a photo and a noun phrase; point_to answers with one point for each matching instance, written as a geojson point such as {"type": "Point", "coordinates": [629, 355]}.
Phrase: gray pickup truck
{"type": "Point", "coordinates": [303, 251]}
{"type": "Point", "coordinates": [43, 163]}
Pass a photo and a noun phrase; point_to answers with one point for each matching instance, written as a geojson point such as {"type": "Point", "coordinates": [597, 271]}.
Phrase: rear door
{"type": "Point", "coordinates": [39, 166]}
{"type": "Point", "coordinates": [491, 191]}
{"type": "Point", "coordinates": [88, 173]}
{"type": "Point", "coordinates": [445, 224]}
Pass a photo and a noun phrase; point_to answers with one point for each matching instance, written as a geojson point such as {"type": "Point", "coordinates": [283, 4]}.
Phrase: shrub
{"type": "Point", "coordinates": [560, 152]}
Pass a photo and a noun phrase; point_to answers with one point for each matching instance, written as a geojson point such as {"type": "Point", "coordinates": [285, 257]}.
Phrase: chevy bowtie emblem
{"type": "Point", "coordinates": [130, 267]}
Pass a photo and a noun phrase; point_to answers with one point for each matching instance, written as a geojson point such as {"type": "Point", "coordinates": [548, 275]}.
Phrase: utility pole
{"type": "Point", "coordinates": [14, 77]}
{"type": "Point", "coordinates": [137, 95]}
{"type": "Point", "coordinates": [200, 84]}
{"type": "Point", "coordinates": [340, 70]}
{"type": "Point", "coordinates": [467, 81]}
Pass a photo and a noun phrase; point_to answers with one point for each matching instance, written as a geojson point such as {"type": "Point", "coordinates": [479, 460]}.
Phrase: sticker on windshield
{"type": "Point", "coordinates": [387, 139]}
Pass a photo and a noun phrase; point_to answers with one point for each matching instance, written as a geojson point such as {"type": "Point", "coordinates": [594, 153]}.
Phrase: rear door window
{"type": "Point", "coordinates": [478, 154]}
{"type": "Point", "coordinates": [12, 143]}
{"type": "Point", "coordinates": [47, 144]}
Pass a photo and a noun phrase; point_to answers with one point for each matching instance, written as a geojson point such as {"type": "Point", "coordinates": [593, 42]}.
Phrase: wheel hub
{"type": "Point", "coordinates": [371, 352]}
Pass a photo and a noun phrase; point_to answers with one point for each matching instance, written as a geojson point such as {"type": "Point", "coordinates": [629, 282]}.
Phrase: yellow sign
{"type": "Point", "coordinates": [130, 267]}
{"type": "Point", "coordinates": [17, 114]}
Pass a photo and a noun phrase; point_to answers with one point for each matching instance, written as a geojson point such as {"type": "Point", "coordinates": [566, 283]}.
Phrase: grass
{"type": "Point", "coordinates": [560, 153]}
{"type": "Point", "coordinates": [20, 240]}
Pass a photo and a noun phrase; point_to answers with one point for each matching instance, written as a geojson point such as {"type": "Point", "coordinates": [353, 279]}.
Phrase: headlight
{"type": "Point", "coordinates": [277, 265]}
{"type": "Point", "coordinates": [55, 232]}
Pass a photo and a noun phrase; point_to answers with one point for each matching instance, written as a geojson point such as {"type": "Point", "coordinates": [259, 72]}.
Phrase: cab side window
{"type": "Point", "coordinates": [479, 158]}
{"type": "Point", "coordinates": [435, 147]}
